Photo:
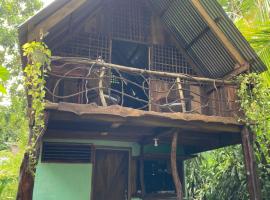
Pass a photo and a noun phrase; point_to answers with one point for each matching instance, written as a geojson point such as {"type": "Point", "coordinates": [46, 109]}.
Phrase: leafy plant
{"type": "Point", "coordinates": [252, 17]}
{"type": "Point", "coordinates": [4, 76]}
{"type": "Point", "coordinates": [217, 175]}
{"type": "Point", "coordinates": [38, 56]}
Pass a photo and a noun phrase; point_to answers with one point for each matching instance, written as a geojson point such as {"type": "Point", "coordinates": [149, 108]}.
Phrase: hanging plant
{"type": "Point", "coordinates": [254, 100]}
{"type": "Point", "coordinates": [38, 63]}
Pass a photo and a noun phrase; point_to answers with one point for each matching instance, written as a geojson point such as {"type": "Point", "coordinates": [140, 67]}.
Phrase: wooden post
{"type": "Point", "coordinates": [181, 94]}
{"type": "Point", "coordinates": [250, 163]}
{"type": "Point", "coordinates": [176, 179]}
{"type": "Point", "coordinates": [100, 86]}
{"type": "Point", "coordinates": [26, 177]}
{"type": "Point", "coordinates": [142, 170]}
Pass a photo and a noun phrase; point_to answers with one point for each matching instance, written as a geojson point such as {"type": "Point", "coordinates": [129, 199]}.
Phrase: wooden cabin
{"type": "Point", "coordinates": [136, 88]}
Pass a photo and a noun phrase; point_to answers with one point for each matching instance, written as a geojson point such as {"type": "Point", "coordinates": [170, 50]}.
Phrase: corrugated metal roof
{"type": "Point", "coordinates": [203, 46]}
{"type": "Point", "coordinates": [230, 30]}
{"type": "Point", "coordinates": [187, 26]}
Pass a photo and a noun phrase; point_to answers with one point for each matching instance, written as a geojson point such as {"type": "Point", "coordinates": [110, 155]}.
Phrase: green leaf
{"type": "Point", "coordinates": [2, 89]}
{"type": "Point", "coordinates": [4, 73]}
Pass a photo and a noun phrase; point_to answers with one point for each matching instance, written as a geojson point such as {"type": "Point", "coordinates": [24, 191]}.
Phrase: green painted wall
{"type": "Point", "coordinates": [56, 181]}
{"type": "Point", "coordinates": [59, 181]}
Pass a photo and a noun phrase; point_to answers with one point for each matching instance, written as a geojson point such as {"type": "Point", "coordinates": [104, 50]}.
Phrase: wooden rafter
{"type": "Point", "coordinates": [200, 35]}
{"type": "Point", "coordinates": [216, 30]}
{"type": "Point", "coordinates": [43, 27]}
{"type": "Point", "coordinates": [213, 26]}
{"type": "Point", "coordinates": [73, 28]}
{"type": "Point", "coordinates": [237, 70]}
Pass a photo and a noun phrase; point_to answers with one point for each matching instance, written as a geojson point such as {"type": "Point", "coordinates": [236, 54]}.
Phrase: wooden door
{"type": "Point", "coordinates": [111, 175]}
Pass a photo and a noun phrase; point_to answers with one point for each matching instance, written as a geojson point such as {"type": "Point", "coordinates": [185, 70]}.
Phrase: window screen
{"type": "Point", "coordinates": [63, 152]}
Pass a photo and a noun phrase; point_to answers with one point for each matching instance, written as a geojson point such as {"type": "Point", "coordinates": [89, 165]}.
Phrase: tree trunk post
{"type": "Point", "coordinates": [250, 163]}
{"type": "Point", "coordinates": [26, 176]}
{"type": "Point", "coordinates": [176, 179]}
{"type": "Point", "coordinates": [26, 181]}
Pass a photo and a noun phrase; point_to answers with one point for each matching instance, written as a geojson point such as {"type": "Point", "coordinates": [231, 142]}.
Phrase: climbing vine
{"type": "Point", "coordinates": [254, 96]}
{"type": "Point", "coordinates": [255, 102]}
{"type": "Point", "coordinates": [38, 63]}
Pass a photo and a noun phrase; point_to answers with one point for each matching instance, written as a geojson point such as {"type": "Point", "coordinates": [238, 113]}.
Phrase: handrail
{"type": "Point", "coordinates": [80, 60]}
{"type": "Point", "coordinates": [109, 84]}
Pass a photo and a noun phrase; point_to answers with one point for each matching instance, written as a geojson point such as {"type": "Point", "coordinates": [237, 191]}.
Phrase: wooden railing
{"type": "Point", "coordinates": [85, 81]}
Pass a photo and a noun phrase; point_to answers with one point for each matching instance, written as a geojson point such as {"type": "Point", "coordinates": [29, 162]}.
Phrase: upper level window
{"type": "Point", "coordinates": [130, 19]}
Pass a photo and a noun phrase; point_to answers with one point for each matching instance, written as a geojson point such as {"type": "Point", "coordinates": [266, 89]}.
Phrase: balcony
{"type": "Point", "coordinates": [84, 81]}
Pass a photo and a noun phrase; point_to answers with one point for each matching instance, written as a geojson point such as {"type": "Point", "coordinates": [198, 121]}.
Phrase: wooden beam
{"type": "Point", "coordinates": [142, 170]}
{"type": "Point", "coordinates": [216, 30]}
{"type": "Point", "coordinates": [176, 179]}
{"type": "Point", "coordinates": [74, 28]}
{"type": "Point", "coordinates": [116, 114]}
{"type": "Point", "coordinates": [163, 156]}
{"type": "Point", "coordinates": [250, 163]}
{"type": "Point", "coordinates": [237, 70]}
{"type": "Point", "coordinates": [181, 94]}
{"type": "Point", "coordinates": [44, 26]}
{"type": "Point", "coordinates": [100, 86]}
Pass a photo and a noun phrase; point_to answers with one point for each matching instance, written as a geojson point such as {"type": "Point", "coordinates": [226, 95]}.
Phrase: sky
{"type": "Point", "coordinates": [47, 2]}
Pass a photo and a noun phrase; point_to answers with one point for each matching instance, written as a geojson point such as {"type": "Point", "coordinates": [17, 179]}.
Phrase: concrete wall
{"type": "Point", "coordinates": [56, 181]}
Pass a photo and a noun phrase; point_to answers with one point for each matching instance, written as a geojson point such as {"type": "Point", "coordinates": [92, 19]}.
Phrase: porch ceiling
{"type": "Point", "coordinates": [197, 133]}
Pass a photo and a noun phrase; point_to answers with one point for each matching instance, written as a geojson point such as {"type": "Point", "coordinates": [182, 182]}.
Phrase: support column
{"type": "Point", "coordinates": [176, 179]}
{"type": "Point", "coordinates": [142, 170]}
{"type": "Point", "coordinates": [26, 178]}
{"type": "Point", "coordinates": [250, 163]}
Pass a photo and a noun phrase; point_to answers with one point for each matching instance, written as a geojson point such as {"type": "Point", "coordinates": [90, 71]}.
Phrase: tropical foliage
{"type": "Point", "coordinates": [252, 17]}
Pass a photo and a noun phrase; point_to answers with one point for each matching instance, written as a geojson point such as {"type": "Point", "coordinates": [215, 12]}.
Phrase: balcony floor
{"type": "Point", "coordinates": [197, 133]}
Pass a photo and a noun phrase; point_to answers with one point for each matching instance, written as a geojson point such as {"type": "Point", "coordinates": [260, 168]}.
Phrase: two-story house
{"type": "Point", "coordinates": [136, 88]}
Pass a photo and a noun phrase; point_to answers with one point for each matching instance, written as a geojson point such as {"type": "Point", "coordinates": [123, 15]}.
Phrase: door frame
{"type": "Point", "coordinates": [110, 148]}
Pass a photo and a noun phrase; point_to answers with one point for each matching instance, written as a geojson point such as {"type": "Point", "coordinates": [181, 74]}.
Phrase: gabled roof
{"type": "Point", "coordinates": [206, 33]}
